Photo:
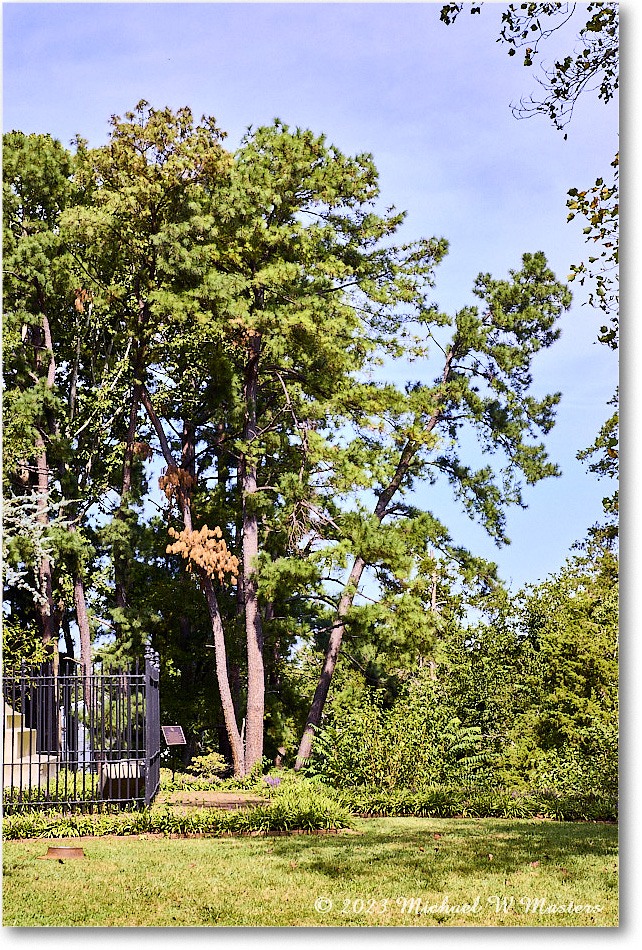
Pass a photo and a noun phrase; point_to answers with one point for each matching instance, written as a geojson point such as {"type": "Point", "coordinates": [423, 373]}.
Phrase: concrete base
{"type": "Point", "coordinates": [23, 767]}
{"type": "Point", "coordinates": [30, 771]}
{"type": "Point", "coordinates": [124, 780]}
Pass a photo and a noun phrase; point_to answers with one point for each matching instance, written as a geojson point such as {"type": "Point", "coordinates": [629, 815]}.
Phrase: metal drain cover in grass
{"type": "Point", "coordinates": [61, 854]}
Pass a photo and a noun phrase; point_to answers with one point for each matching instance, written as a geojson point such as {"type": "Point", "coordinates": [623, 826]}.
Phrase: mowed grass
{"type": "Point", "coordinates": [393, 872]}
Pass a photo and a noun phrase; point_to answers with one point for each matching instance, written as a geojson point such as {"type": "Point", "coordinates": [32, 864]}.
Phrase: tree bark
{"type": "Point", "coordinates": [121, 562]}
{"type": "Point", "coordinates": [47, 613]}
{"type": "Point", "coordinates": [274, 678]}
{"type": "Point", "coordinates": [222, 676]}
{"type": "Point", "coordinates": [329, 663]}
{"type": "Point", "coordinates": [253, 625]}
{"type": "Point", "coordinates": [82, 619]}
{"type": "Point", "coordinates": [432, 665]}
{"type": "Point", "coordinates": [239, 620]}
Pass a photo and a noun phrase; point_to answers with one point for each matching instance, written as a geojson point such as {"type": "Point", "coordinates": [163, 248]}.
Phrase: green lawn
{"type": "Point", "coordinates": [397, 872]}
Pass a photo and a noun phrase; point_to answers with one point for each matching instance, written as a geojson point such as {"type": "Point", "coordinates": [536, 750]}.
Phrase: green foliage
{"type": "Point", "coordinates": [204, 775]}
{"type": "Point", "coordinates": [176, 276]}
{"type": "Point", "coordinates": [527, 698]}
{"type": "Point", "coordinates": [591, 65]}
{"type": "Point", "coordinates": [457, 802]}
{"type": "Point", "coordinates": [570, 770]}
{"type": "Point", "coordinates": [306, 805]}
{"type": "Point", "coordinates": [309, 806]}
{"type": "Point", "coordinates": [208, 767]}
{"type": "Point", "coordinates": [66, 788]}
{"type": "Point", "coordinates": [172, 780]}
{"type": "Point", "coordinates": [251, 781]}
{"type": "Point", "coordinates": [419, 741]}
{"type": "Point", "coordinates": [20, 644]}
{"type": "Point", "coordinates": [541, 678]}
{"type": "Point", "coordinates": [599, 206]}
{"type": "Point", "coordinates": [604, 453]}
{"type": "Point", "coordinates": [299, 805]}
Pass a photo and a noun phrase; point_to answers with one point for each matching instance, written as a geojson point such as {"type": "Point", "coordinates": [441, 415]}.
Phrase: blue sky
{"type": "Point", "coordinates": [432, 105]}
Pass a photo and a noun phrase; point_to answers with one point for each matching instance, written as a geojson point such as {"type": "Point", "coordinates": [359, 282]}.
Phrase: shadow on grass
{"type": "Point", "coordinates": [461, 848]}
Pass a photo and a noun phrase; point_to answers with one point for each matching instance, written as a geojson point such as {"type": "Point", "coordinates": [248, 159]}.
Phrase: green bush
{"type": "Point", "coordinates": [569, 769]}
{"type": "Point", "coordinates": [418, 742]}
{"type": "Point", "coordinates": [306, 805]}
{"type": "Point", "coordinates": [208, 767]}
{"type": "Point", "coordinates": [204, 779]}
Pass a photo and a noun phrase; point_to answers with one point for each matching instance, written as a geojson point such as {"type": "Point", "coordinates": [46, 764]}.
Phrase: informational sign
{"type": "Point", "coordinates": [174, 735]}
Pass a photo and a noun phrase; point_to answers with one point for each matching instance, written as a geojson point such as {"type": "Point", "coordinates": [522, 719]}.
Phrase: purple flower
{"type": "Point", "coordinates": [272, 780]}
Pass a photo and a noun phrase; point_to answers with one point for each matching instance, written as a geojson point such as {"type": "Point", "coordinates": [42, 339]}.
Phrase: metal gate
{"type": "Point", "coordinates": [79, 742]}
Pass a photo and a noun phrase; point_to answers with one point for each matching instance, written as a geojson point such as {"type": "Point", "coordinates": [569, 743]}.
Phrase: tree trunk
{"type": "Point", "coordinates": [184, 631]}
{"type": "Point", "coordinates": [47, 616]}
{"type": "Point", "coordinates": [121, 562]}
{"type": "Point", "coordinates": [47, 613]}
{"type": "Point", "coordinates": [220, 652]}
{"type": "Point", "coordinates": [274, 678]}
{"type": "Point", "coordinates": [329, 663]}
{"type": "Point", "coordinates": [82, 620]}
{"type": "Point", "coordinates": [336, 637]}
{"type": "Point", "coordinates": [253, 625]}
{"type": "Point", "coordinates": [222, 469]}
{"type": "Point", "coordinates": [347, 598]}
{"type": "Point", "coordinates": [66, 632]}
{"type": "Point", "coordinates": [239, 620]}
{"type": "Point", "coordinates": [432, 665]}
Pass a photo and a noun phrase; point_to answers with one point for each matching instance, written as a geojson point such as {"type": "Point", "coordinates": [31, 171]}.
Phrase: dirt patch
{"type": "Point", "coordinates": [228, 801]}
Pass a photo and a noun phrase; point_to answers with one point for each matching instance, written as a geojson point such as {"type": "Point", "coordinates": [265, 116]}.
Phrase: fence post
{"type": "Point", "coordinates": [152, 725]}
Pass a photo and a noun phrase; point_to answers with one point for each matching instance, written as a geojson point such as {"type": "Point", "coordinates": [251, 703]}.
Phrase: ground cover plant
{"type": "Point", "coordinates": [392, 872]}
{"type": "Point", "coordinates": [300, 805]}
{"type": "Point", "coordinates": [65, 786]}
{"type": "Point", "coordinates": [447, 802]}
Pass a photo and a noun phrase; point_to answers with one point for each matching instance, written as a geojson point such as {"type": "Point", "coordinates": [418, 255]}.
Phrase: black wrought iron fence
{"type": "Point", "coordinates": [77, 741]}
{"type": "Point", "coordinates": [152, 726]}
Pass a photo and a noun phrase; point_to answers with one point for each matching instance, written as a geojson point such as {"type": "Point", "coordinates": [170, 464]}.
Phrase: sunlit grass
{"type": "Point", "coordinates": [275, 881]}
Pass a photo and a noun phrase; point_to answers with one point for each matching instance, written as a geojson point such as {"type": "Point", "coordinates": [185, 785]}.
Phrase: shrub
{"type": "Point", "coordinates": [568, 769]}
{"type": "Point", "coordinates": [418, 742]}
{"type": "Point", "coordinates": [208, 767]}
